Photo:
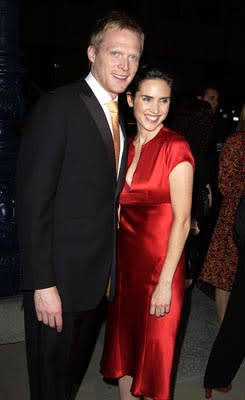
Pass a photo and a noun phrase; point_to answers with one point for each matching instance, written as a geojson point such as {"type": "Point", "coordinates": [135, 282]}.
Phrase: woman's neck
{"type": "Point", "coordinates": [143, 137]}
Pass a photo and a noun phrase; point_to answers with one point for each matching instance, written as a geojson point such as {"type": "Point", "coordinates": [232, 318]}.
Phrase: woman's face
{"type": "Point", "coordinates": [150, 104]}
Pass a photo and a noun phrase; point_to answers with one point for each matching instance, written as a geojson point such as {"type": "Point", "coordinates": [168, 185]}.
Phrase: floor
{"type": "Point", "coordinates": [13, 379]}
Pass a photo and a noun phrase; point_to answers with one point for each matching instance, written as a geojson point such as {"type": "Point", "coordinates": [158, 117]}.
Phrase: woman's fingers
{"type": "Point", "coordinates": [159, 310]}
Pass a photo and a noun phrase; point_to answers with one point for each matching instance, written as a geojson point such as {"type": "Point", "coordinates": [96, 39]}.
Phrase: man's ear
{"type": "Point", "coordinates": [91, 53]}
{"type": "Point", "coordinates": [130, 99]}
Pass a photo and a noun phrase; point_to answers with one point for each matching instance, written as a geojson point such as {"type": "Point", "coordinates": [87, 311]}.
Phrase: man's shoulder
{"type": "Point", "coordinates": [60, 97]}
{"type": "Point", "coordinates": [64, 91]}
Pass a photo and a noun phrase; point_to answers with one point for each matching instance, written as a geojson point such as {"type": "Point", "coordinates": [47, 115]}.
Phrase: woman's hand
{"type": "Point", "coordinates": [161, 299]}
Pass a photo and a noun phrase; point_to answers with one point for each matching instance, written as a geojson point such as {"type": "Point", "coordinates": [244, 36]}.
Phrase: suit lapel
{"type": "Point", "coordinates": [97, 113]}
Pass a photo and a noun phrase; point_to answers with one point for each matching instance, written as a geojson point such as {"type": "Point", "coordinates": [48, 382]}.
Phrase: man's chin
{"type": "Point", "coordinates": [120, 86]}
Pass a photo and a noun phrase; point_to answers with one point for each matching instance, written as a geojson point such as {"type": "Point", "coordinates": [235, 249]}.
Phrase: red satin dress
{"type": "Point", "coordinates": [136, 343]}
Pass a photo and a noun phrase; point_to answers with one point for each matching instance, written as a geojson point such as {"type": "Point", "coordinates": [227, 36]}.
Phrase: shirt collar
{"type": "Point", "coordinates": [101, 94]}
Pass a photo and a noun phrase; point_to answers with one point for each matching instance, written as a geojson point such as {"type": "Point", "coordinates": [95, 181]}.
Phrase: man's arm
{"type": "Point", "coordinates": [40, 161]}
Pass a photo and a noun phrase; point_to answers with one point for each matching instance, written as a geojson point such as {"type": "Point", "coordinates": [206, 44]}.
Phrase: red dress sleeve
{"type": "Point", "coordinates": [178, 151]}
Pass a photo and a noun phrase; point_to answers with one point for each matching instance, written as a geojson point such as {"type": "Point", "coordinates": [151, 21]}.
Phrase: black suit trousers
{"type": "Point", "coordinates": [56, 361]}
{"type": "Point", "coordinates": [228, 350]}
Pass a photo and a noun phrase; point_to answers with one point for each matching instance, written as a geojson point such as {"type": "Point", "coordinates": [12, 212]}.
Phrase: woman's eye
{"type": "Point", "coordinates": [165, 101]}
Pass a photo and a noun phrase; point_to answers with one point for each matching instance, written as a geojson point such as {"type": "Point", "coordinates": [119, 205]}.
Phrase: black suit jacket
{"type": "Point", "coordinates": [67, 194]}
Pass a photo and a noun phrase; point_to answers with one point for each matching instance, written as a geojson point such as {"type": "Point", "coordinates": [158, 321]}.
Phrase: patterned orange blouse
{"type": "Point", "coordinates": [222, 257]}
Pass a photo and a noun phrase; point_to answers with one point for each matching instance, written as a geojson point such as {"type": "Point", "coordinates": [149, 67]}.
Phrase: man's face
{"type": "Point", "coordinates": [212, 97]}
{"type": "Point", "coordinates": [115, 62]}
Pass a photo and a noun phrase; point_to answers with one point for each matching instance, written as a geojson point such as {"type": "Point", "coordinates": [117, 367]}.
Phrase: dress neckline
{"type": "Point", "coordinates": [127, 185]}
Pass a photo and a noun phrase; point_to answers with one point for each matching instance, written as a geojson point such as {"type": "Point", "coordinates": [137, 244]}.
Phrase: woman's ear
{"type": "Point", "coordinates": [130, 99]}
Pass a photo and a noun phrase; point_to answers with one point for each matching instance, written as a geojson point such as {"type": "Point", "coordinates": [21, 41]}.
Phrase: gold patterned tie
{"type": "Point", "coordinates": [113, 109]}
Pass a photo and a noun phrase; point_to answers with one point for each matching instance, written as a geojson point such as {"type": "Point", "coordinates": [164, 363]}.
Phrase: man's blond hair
{"type": "Point", "coordinates": [115, 20]}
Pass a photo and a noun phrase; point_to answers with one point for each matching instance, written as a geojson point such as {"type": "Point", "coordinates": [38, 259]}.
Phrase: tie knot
{"type": "Point", "coordinates": [112, 106]}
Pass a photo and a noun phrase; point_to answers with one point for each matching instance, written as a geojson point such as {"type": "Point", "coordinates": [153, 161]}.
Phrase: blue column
{"type": "Point", "coordinates": [11, 107]}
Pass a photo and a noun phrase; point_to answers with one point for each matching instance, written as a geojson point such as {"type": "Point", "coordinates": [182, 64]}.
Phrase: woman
{"type": "Point", "coordinates": [154, 224]}
{"type": "Point", "coordinates": [228, 350]}
{"type": "Point", "coordinates": [221, 262]}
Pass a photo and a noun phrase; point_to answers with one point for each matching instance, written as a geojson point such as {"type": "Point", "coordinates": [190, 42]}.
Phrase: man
{"type": "Point", "coordinates": [67, 189]}
{"type": "Point", "coordinates": [211, 95]}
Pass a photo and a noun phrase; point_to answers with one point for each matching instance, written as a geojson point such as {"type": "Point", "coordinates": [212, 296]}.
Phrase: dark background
{"type": "Point", "coordinates": [199, 41]}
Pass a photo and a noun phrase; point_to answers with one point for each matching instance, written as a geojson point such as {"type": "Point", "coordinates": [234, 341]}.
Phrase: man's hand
{"type": "Point", "coordinates": [48, 307]}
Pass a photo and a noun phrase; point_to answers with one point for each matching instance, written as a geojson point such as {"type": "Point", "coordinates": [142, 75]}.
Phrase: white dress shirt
{"type": "Point", "coordinates": [103, 97]}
